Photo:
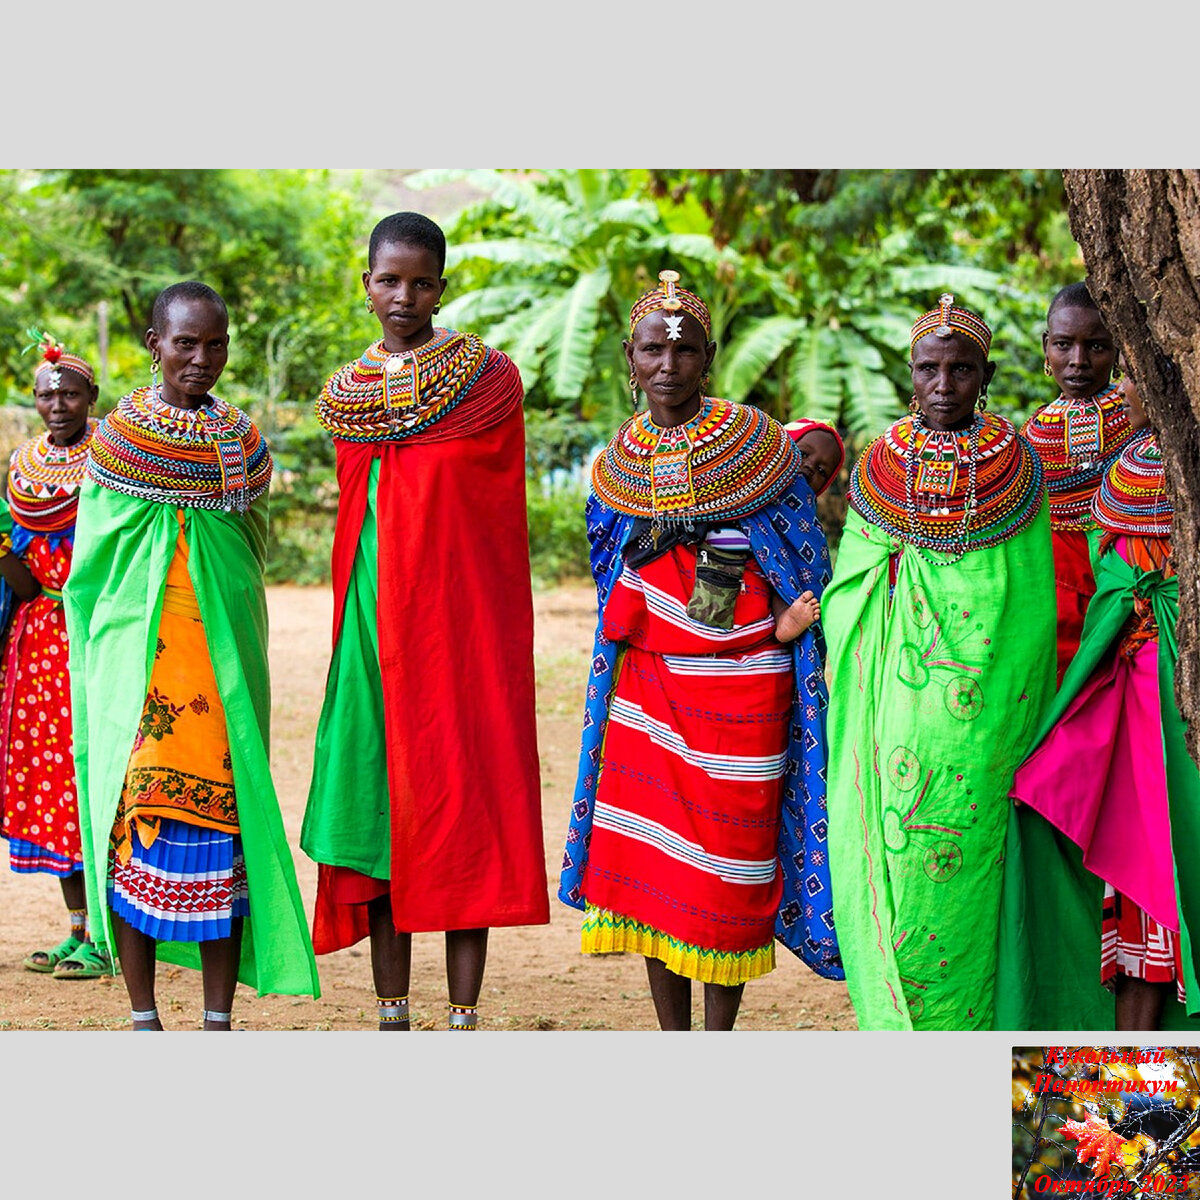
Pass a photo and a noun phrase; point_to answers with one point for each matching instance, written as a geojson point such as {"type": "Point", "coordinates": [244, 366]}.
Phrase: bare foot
{"type": "Point", "coordinates": [792, 621]}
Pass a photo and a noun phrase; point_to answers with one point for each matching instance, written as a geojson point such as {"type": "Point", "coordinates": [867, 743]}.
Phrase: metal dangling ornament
{"type": "Point", "coordinates": [981, 403]}
{"type": "Point", "coordinates": [913, 406]}
{"type": "Point", "coordinates": [633, 390]}
{"type": "Point", "coordinates": [368, 305]}
{"type": "Point", "coordinates": [153, 375]}
{"type": "Point", "coordinates": [1046, 367]}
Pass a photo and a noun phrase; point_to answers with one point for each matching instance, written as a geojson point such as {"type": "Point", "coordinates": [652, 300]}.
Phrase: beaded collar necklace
{"type": "Point", "coordinates": [44, 480]}
{"type": "Point", "coordinates": [212, 457]}
{"type": "Point", "coordinates": [383, 396]}
{"type": "Point", "coordinates": [726, 462]}
{"type": "Point", "coordinates": [931, 470]}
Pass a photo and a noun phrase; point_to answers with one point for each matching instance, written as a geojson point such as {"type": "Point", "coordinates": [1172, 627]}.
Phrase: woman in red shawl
{"type": "Point", "coordinates": [1077, 437]}
{"type": "Point", "coordinates": [40, 801]}
{"type": "Point", "coordinates": [424, 812]}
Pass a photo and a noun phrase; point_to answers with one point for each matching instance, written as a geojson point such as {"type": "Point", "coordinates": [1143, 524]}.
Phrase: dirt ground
{"type": "Point", "coordinates": [536, 978]}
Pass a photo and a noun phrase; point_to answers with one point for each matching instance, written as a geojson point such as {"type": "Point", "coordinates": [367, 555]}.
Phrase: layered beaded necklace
{"type": "Point", "coordinates": [212, 457]}
{"type": "Point", "coordinates": [1077, 441]}
{"type": "Point", "coordinates": [44, 480]}
{"type": "Point", "coordinates": [726, 462]}
{"type": "Point", "coordinates": [1132, 498]}
{"type": "Point", "coordinates": [931, 472]}
{"type": "Point", "coordinates": [949, 491]}
{"type": "Point", "coordinates": [383, 396]}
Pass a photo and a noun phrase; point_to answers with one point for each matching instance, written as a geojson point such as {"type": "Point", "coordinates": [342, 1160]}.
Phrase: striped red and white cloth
{"type": "Point", "coordinates": [1134, 944]}
{"type": "Point", "coordinates": [688, 803]}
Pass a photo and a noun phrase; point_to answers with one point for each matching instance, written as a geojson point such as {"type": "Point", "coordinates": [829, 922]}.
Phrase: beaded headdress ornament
{"type": "Point", "coordinates": [55, 358]}
{"type": "Point", "coordinates": [670, 299]}
{"type": "Point", "coordinates": [947, 319]}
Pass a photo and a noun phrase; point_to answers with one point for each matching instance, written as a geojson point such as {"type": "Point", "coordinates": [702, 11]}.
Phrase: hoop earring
{"type": "Point", "coordinates": [1046, 367]}
{"type": "Point", "coordinates": [633, 390]}
{"type": "Point", "coordinates": [981, 403]}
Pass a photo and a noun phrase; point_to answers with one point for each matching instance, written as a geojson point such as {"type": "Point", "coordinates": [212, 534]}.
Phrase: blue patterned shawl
{"type": "Point", "coordinates": [789, 544]}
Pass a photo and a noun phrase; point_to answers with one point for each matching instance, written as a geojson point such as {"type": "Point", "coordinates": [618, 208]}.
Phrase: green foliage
{"type": "Point", "coordinates": [813, 279]}
{"type": "Point", "coordinates": [558, 547]}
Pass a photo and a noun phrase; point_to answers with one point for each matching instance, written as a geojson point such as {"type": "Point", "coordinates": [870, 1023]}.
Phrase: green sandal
{"type": "Point", "coordinates": [46, 960]}
{"type": "Point", "coordinates": [85, 962]}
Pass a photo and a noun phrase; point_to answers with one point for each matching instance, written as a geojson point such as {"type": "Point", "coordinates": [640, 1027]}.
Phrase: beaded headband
{"type": "Point", "coordinates": [55, 358]}
{"type": "Point", "coordinates": [947, 319]}
{"type": "Point", "coordinates": [669, 298]}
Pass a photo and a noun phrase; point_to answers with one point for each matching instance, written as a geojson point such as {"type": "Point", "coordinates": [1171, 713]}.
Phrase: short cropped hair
{"type": "Point", "coordinates": [408, 229]}
{"type": "Point", "coordinates": [1074, 295]}
{"type": "Point", "coordinates": [190, 289]}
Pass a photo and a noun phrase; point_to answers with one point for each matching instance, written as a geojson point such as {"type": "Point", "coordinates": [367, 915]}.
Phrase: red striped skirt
{"type": "Point", "coordinates": [683, 858]}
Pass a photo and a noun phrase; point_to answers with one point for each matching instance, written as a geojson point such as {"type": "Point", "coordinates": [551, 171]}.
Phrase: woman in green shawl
{"type": "Point", "coordinates": [940, 622]}
{"type": "Point", "coordinates": [184, 850]}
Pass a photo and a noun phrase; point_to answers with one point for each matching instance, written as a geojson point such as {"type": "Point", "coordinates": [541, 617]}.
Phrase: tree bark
{"type": "Point", "coordinates": [1140, 236]}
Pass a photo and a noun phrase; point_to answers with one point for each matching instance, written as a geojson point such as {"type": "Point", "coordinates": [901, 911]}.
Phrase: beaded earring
{"type": "Point", "coordinates": [633, 390]}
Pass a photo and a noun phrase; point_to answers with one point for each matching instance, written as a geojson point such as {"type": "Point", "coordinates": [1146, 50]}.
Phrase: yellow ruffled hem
{"type": "Point", "coordinates": [606, 932]}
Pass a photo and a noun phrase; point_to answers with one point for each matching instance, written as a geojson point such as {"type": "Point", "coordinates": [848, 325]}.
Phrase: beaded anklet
{"type": "Point", "coordinates": [393, 1012]}
{"type": "Point", "coordinates": [464, 1016]}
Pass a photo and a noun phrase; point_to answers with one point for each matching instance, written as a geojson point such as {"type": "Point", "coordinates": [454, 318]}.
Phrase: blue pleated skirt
{"type": "Point", "coordinates": [188, 886]}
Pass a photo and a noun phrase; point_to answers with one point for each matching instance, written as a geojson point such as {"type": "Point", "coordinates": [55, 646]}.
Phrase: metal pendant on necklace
{"type": "Point", "coordinates": [401, 386]}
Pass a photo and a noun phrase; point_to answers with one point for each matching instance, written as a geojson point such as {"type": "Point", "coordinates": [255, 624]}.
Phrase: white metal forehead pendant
{"type": "Point", "coordinates": [54, 378]}
{"type": "Point", "coordinates": [674, 326]}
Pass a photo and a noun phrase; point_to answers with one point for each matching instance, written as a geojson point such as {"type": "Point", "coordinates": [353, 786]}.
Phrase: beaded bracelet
{"type": "Point", "coordinates": [5, 545]}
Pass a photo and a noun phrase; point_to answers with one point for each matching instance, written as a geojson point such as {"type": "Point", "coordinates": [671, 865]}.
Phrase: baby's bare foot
{"type": "Point", "coordinates": [797, 617]}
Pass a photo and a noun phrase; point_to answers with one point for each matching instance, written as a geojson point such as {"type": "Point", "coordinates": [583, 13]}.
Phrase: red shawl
{"type": "Point", "coordinates": [455, 627]}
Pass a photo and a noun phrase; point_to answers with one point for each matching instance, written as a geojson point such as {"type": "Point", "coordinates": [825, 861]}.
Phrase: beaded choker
{"type": "Point", "coordinates": [1132, 497]}
{"type": "Point", "coordinates": [384, 397]}
{"type": "Point", "coordinates": [1077, 441]}
{"type": "Point", "coordinates": [211, 457]}
{"type": "Point", "coordinates": [948, 491]}
{"type": "Point", "coordinates": [726, 462]}
{"type": "Point", "coordinates": [44, 480]}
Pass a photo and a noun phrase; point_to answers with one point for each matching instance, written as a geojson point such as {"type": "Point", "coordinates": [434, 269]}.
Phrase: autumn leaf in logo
{"type": "Point", "coordinates": [1096, 1140]}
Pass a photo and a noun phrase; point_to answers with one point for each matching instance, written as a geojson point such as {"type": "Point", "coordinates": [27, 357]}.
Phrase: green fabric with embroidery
{"type": "Point", "coordinates": [934, 698]}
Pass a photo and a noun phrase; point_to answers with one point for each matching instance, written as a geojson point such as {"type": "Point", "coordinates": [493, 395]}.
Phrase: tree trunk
{"type": "Point", "coordinates": [1140, 236]}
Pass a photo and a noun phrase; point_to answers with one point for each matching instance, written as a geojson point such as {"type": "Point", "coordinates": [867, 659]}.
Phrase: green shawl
{"type": "Point", "coordinates": [113, 599]}
{"type": "Point", "coordinates": [1048, 975]}
{"type": "Point", "coordinates": [934, 697]}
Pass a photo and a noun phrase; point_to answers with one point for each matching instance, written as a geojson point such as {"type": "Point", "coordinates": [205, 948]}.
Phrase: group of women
{"type": "Point", "coordinates": [873, 765]}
